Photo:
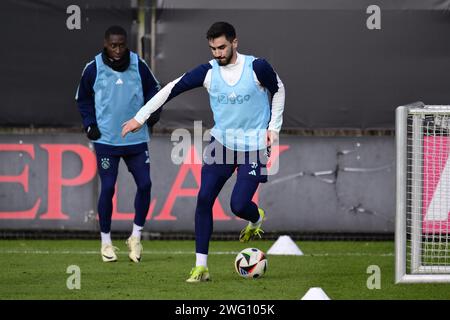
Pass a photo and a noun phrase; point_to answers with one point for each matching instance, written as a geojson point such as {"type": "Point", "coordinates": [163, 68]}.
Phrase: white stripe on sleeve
{"type": "Point", "coordinates": [156, 102]}
{"type": "Point", "coordinates": [277, 108]}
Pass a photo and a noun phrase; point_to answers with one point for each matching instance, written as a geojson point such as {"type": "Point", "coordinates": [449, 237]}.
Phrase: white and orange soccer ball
{"type": "Point", "coordinates": [251, 263]}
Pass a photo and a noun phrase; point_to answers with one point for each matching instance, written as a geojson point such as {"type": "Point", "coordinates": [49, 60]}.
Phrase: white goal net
{"type": "Point", "coordinates": [423, 193]}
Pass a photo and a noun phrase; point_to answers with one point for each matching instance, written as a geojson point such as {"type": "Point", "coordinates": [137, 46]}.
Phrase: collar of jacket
{"type": "Point", "coordinates": [117, 65]}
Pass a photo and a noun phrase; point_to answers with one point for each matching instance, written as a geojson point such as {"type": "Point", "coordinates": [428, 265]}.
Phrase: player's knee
{"type": "Point", "coordinates": [204, 198]}
{"type": "Point", "coordinates": [237, 207]}
{"type": "Point", "coordinates": [108, 190]}
{"type": "Point", "coordinates": [145, 186]}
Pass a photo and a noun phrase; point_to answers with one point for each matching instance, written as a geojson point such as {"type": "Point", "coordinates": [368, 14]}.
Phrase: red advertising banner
{"type": "Point", "coordinates": [436, 185]}
{"type": "Point", "coordinates": [56, 182]}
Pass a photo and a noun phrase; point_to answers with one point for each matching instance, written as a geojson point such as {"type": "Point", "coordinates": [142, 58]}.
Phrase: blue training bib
{"type": "Point", "coordinates": [241, 112]}
{"type": "Point", "coordinates": [118, 97]}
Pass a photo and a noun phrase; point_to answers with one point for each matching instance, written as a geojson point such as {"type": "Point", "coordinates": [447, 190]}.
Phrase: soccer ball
{"type": "Point", "coordinates": [251, 263]}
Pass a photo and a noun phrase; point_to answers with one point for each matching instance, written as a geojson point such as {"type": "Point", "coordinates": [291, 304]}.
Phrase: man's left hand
{"type": "Point", "coordinates": [272, 138]}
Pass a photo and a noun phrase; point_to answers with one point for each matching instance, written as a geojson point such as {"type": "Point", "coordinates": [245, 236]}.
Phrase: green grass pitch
{"type": "Point", "coordinates": [37, 269]}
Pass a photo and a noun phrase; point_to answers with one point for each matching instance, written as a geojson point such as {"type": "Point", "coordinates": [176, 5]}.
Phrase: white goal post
{"type": "Point", "coordinates": [422, 233]}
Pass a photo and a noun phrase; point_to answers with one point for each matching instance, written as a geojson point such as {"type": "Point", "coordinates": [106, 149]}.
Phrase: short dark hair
{"type": "Point", "coordinates": [116, 30]}
{"type": "Point", "coordinates": [219, 29]}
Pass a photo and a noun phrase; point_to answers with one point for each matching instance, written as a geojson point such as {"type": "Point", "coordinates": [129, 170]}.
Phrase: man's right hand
{"type": "Point", "coordinates": [130, 126]}
{"type": "Point", "coordinates": [93, 133]}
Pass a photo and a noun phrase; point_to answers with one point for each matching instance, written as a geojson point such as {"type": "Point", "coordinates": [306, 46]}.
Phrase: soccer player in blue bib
{"type": "Point", "coordinates": [247, 100]}
{"type": "Point", "coordinates": [112, 88]}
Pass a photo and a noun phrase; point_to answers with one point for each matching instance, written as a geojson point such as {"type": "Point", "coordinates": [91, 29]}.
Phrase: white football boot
{"type": "Point", "coordinates": [135, 248]}
{"type": "Point", "coordinates": [109, 253]}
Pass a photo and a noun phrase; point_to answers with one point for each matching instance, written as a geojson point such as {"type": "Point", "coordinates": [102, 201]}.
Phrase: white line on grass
{"type": "Point", "coordinates": [97, 252]}
{"type": "Point", "coordinates": [82, 252]}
